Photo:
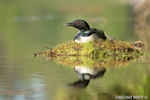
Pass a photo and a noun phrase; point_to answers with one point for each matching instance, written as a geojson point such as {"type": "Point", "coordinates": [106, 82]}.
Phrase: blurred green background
{"type": "Point", "coordinates": [28, 26]}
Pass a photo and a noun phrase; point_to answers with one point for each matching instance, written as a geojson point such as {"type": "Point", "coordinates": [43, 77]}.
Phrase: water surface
{"type": "Point", "coordinates": [27, 27]}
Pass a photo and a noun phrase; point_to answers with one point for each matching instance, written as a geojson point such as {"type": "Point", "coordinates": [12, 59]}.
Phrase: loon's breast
{"type": "Point", "coordinates": [92, 37]}
{"type": "Point", "coordinates": [86, 36]}
{"type": "Point", "coordinates": [77, 38]}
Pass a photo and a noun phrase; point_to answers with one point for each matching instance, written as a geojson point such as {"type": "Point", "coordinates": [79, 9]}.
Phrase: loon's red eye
{"type": "Point", "coordinates": [78, 22]}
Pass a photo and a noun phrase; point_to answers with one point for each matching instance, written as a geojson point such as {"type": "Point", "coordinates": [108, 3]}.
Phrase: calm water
{"type": "Point", "coordinates": [27, 28]}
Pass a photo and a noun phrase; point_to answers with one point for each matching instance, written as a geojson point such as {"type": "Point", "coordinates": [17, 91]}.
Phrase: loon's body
{"type": "Point", "coordinates": [90, 35]}
{"type": "Point", "coordinates": [86, 34]}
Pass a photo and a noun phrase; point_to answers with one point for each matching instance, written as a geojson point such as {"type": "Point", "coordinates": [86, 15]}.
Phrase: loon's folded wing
{"type": "Point", "coordinates": [103, 34]}
{"type": "Point", "coordinates": [99, 33]}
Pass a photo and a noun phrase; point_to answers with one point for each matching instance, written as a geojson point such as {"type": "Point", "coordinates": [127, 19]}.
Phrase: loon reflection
{"type": "Point", "coordinates": [85, 74]}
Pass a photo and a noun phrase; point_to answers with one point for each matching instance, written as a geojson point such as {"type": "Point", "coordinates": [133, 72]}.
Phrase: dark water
{"type": "Point", "coordinates": [27, 28]}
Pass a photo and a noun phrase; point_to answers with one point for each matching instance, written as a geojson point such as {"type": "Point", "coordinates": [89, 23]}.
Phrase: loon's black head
{"type": "Point", "coordinates": [79, 24]}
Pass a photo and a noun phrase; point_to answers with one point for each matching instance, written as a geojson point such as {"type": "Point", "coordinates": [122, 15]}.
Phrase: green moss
{"type": "Point", "coordinates": [92, 54]}
{"type": "Point", "coordinates": [94, 49]}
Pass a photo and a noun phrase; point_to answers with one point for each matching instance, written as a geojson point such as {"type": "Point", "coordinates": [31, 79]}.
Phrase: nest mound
{"type": "Point", "coordinates": [93, 49]}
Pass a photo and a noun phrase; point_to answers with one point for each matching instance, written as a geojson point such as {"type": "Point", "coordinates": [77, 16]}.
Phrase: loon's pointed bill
{"type": "Point", "coordinates": [68, 24]}
{"type": "Point", "coordinates": [86, 34]}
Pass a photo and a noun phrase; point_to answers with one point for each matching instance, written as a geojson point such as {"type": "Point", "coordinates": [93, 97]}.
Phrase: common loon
{"type": "Point", "coordinates": [86, 34]}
